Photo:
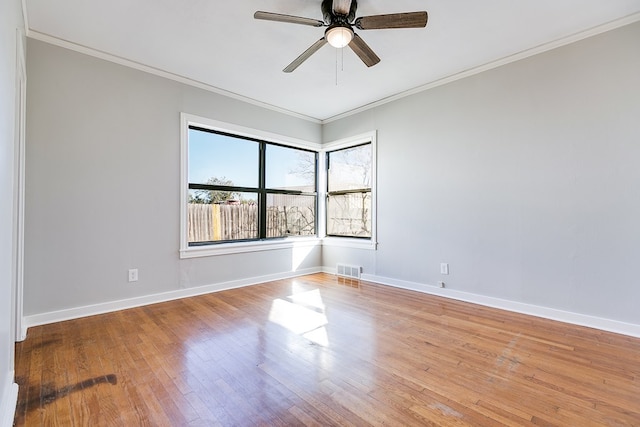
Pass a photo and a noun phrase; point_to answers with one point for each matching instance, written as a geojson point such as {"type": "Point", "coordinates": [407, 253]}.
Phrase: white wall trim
{"type": "Point", "coordinates": [351, 141]}
{"type": "Point", "coordinates": [346, 242]}
{"type": "Point", "coordinates": [19, 187]}
{"type": "Point", "coordinates": [9, 401]}
{"type": "Point", "coordinates": [25, 17]}
{"type": "Point", "coordinates": [627, 20]}
{"type": "Point", "coordinates": [517, 307]}
{"type": "Point", "coordinates": [187, 119]}
{"type": "Point", "coordinates": [246, 247]}
{"type": "Point", "coordinates": [161, 73]}
{"type": "Point", "coordinates": [107, 307]}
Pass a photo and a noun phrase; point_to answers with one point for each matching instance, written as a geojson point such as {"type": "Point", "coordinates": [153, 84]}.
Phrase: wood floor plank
{"type": "Point", "coordinates": [320, 350]}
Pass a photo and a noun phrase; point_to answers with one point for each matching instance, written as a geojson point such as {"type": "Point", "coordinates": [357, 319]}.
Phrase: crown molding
{"type": "Point", "coordinates": [612, 25]}
{"type": "Point", "coordinates": [627, 20]}
{"type": "Point", "coordinates": [25, 18]}
{"type": "Point", "coordinates": [161, 73]}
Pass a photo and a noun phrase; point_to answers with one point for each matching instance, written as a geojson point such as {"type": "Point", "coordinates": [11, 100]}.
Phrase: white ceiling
{"type": "Point", "coordinates": [219, 44]}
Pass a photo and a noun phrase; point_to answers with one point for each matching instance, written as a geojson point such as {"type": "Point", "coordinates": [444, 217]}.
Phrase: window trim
{"type": "Point", "coordinates": [186, 251]}
{"type": "Point", "coordinates": [347, 241]}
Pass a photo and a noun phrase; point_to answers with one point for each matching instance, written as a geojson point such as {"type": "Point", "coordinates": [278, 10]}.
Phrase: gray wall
{"type": "Point", "coordinates": [523, 178]}
{"type": "Point", "coordinates": [103, 183]}
{"type": "Point", "coordinates": [10, 20]}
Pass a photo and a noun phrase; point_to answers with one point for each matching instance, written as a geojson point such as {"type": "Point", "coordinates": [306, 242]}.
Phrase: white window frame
{"type": "Point", "coordinates": [187, 251]}
{"type": "Point", "coordinates": [350, 242]}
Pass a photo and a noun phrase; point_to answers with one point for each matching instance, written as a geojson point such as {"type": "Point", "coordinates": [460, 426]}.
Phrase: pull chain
{"type": "Point", "coordinates": [341, 62]}
{"type": "Point", "coordinates": [336, 67]}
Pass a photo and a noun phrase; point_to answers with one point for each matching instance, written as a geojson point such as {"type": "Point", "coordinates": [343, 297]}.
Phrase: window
{"type": "Point", "coordinates": [243, 188]}
{"type": "Point", "coordinates": [350, 184]}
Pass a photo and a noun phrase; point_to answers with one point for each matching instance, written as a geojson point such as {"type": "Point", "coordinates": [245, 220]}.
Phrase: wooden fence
{"type": "Point", "coordinates": [219, 222]}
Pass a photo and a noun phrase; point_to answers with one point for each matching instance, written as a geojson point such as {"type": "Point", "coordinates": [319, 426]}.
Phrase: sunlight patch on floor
{"type": "Point", "coordinates": [309, 299]}
{"type": "Point", "coordinates": [303, 316]}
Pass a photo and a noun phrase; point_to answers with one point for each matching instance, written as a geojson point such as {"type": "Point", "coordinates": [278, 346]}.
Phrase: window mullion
{"type": "Point", "coordinates": [343, 192]}
{"type": "Point", "coordinates": [262, 195]}
{"type": "Point", "coordinates": [195, 186]}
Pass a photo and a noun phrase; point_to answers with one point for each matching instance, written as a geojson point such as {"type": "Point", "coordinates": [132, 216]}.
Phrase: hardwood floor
{"type": "Point", "coordinates": [318, 350]}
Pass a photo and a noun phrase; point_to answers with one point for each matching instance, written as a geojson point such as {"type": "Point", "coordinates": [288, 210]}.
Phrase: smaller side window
{"type": "Point", "coordinates": [349, 191]}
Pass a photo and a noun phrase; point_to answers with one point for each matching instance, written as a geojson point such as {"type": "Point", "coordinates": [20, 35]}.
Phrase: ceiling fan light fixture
{"type": "Point", "coordinates": [339, 36]}
{"type": "Point", "coordinates": [340, 18]}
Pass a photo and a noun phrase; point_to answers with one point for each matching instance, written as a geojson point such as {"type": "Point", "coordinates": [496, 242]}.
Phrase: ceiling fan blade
{"type": "Point", "coordinates": [394, 20]}
{"type": "Point", "coordinates": [341, 7]}
{"type": "Point", "coordinates": [305, 55]}
{"type": "Point", "coordinates": [270, 16]}
{"type": "Point", "coordinates": [363, 51]}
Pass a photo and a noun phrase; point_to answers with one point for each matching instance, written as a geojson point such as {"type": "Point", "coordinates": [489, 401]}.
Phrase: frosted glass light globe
{"type": "Point", "coordinates": [339, 37]}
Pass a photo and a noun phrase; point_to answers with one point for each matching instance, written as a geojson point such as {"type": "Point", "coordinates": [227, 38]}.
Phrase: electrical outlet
{"type": "Point", "coordinates": [444, 268]}
{"type": "Point", "coordinates": [441, 284]}
{"type": "Point", "coordinates": [133, 275]}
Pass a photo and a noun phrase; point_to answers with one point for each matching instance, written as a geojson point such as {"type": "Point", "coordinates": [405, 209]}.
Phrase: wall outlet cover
{"type": "Point", "coordinates": [444, 268]}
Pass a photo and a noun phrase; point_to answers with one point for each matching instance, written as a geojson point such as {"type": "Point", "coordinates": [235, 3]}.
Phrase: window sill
{"type": "Point", "coordinates": [268, 245]}
{"type": "Point", "coordinates": [346, 242]}
{"type": "Point", "coordinates": [245, 247]}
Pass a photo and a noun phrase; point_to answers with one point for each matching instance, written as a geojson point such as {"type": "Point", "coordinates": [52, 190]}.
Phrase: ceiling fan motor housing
{"type": "Point", "coordinates": [337, 18]}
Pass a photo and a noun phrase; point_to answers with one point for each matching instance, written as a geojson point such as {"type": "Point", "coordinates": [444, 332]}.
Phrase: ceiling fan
{"type": "Point", "coordinates": [340, 18]}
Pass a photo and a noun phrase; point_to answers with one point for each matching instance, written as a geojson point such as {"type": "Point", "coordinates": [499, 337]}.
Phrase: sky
{"type": "Point", "coordinates": [214, 155]}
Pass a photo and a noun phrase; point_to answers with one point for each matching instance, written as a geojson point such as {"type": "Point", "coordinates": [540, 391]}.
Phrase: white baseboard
{"type": "Point", "coordinates": [91, 310]}
{"type": "Point", "coordinates": [23, 332]}
{"type": "Point", "coordinates": [8, 402]}
{"type": "Point", "coordinates": [517, 307]}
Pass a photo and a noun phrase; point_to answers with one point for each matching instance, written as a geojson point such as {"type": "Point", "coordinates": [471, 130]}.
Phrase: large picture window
{"type": "Point", "coordinates": [242, 188]}
{"type": "Point", "coordinates": [349, 191]}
